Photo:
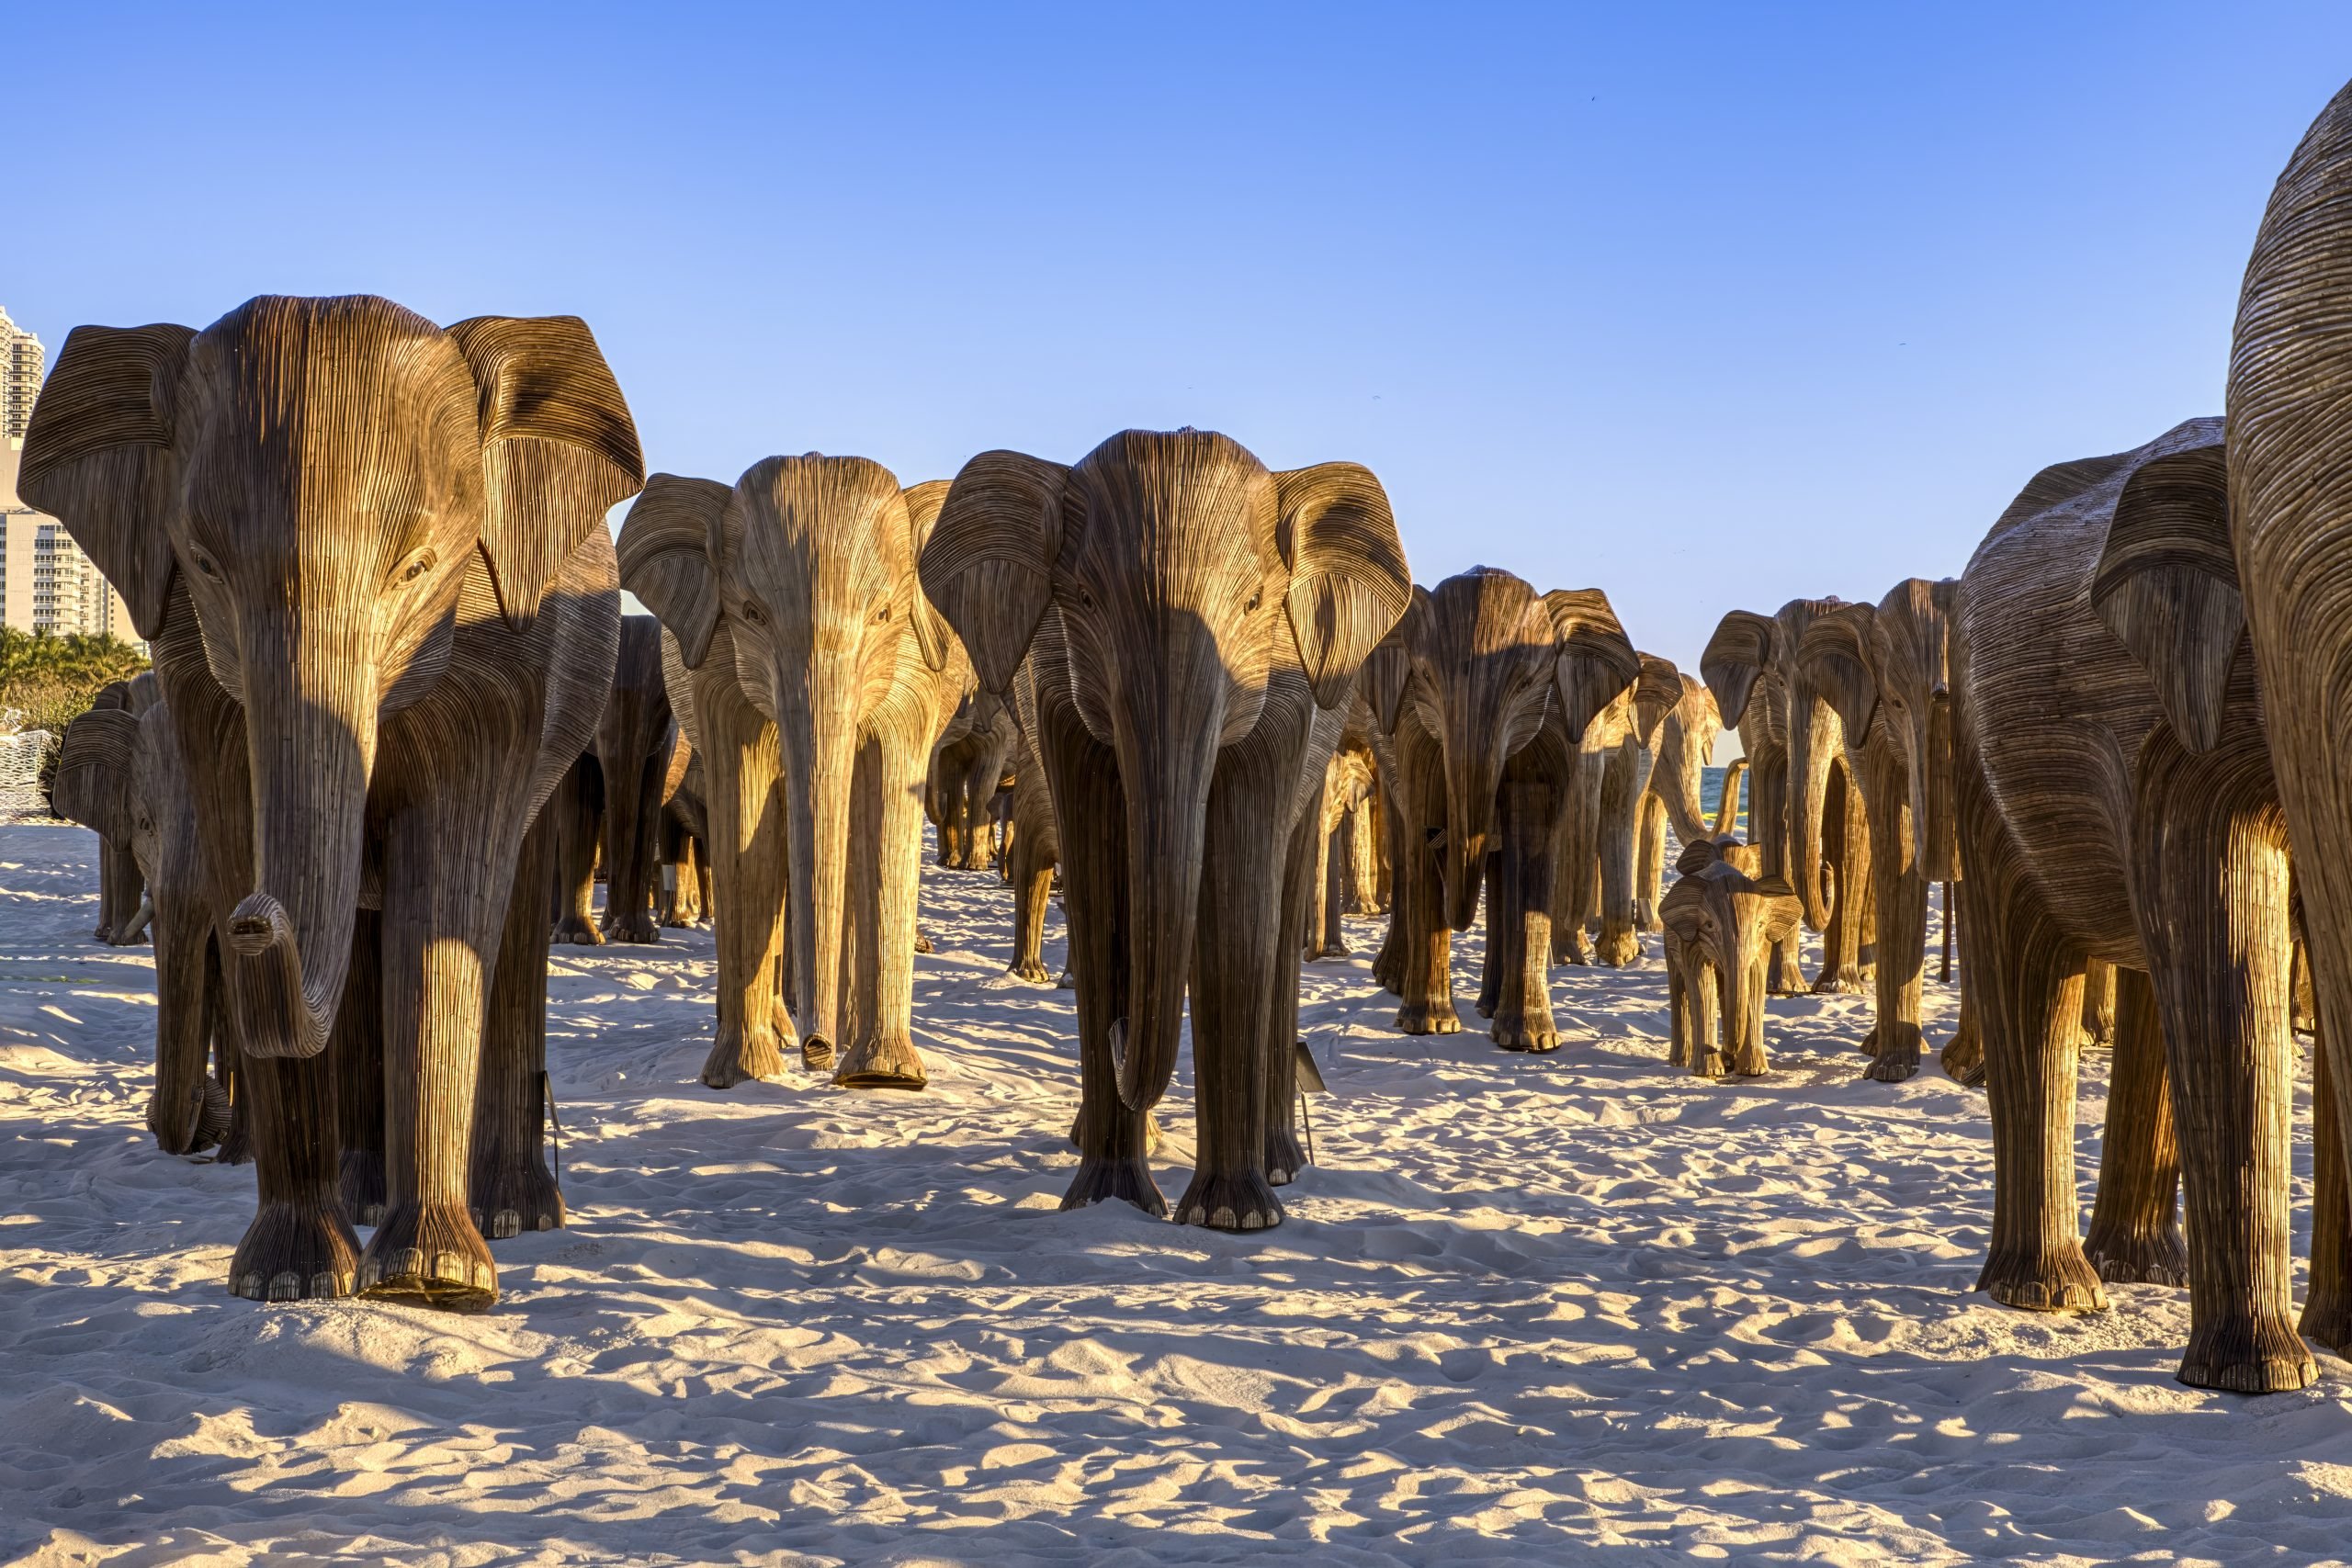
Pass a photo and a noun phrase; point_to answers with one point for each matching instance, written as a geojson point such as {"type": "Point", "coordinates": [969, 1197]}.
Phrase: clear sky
{"type": "Point", "coordinates": [1708, 306]}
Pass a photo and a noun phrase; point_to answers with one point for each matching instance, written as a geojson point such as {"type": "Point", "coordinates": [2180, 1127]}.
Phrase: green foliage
{"type": "Point", "coordinates": [53, 680]}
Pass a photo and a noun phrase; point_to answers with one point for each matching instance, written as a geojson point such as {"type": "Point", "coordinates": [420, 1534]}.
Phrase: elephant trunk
{"type": "Point", "coordinates": [311, 742]}
{"type": "Point", "coordinates": [1474, 773]}
{"type": "Point", "coordinates": [1933, 814]}
{"type": "Point", "coordinates": [1813, 737]}
{"type": "Point", "coordinates": [819, 732]}
{"type": "Point", "coordinates": [1166, 733]}
{"type": "Point", "coordinates": [1740, 949]}
{"type": "Point", "coordinates": [1727, 808]}
{"type": "Point", "coordinates": [1676, 778]}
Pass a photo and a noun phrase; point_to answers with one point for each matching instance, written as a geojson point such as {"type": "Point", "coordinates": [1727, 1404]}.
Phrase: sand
{"type": "Point", "coordinates": [1527, 1310]}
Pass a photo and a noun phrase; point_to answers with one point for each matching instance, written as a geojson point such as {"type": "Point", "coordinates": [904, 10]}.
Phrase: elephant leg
{"type": "Point", "coordinates": [1649, 862]}
{"type": "Point", "coordinates": [2099, 1004]}
{"type": "Point", "coordinates": [1679, 1037]}
{"type": "Point", "coordinates": [107, 914]}
{"type": "Point", "coordinates": [1902, 909]}
{"type": "Point", "coordinates": [1235, 970]}
{"type": "Point", "coordinates": [2031, 989]}
{"type": "Point", "coordinates": [452, 857]}
{"type": "Point", "coordinates": [1743, 1032]}
{"type": "Point", "coordinates": [2134, 1235]}
{"type": "Point", "coordinates": [1572, 867]}
{"type": "Point", "coordinates": [511, 1190]}
{"type": "Point", "coordinates": [1033, 886]}
{"type": "Point", "coordinates": [745, 804]}
{"type": "Point", "coordinates": [2210, 872]}
{"type": "Point", "coordinates": [579, 805]}
{"type": "Point", "coordinates": [357, 1045]}
{"type": "Point", "coordinates": [1944, 976]}
{"type": "Point", "coordinates": [1768, 828]}
{"type": "Point", "coordinates": [1113, 1139]}
{"type": "Point", "coordinates": [888, 877]}
{"type": "Point", "coordinates": [1495, 957]}
{"type": "Point", "coordinates": [631, 826]}
{"type": "Point", "coordinates": [2327, 1300]}
{"type": "Point", "coordinates": [1317, 899]}
{"type": "Point", "coordinates": [1427, 989]}
{"type": "Point", "coordinates": [1617, 946]}
{"type": "Point", "coordinates": [1337, 892]}
{"type": "Point", "coordinates": [1388, 963]}
{"type": "Point", "coordinates": [1962, 1056]}
{"type": "Point", "coordinates": [1845, 832]}
{"type": "Point", "coordinates": [1519, 910]}
{"type": "Point", "coordinates": [1277, 1057]}
{"type": "Point", "coordinates": [300, 1244]}
{"type": "Point", "coordinates": [228, 1065]}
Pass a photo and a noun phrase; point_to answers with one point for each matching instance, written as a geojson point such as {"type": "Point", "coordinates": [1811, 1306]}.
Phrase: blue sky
{"type": "Point", "coordinates": [1708, 306]}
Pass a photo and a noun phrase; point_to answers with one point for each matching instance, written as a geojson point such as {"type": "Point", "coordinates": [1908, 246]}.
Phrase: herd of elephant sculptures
{"type": "Point", "coordinates": [395, 706]}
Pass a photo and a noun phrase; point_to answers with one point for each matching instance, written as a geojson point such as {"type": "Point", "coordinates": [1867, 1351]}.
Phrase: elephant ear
{"type": "Point", "coordinates": [668, 551]}
{"type": "Point", "coordinates": [1656, 692]}
{"type": "Point", "coordinates": [923, 501]}
{"type": "Point", "coordinates": [1735, 658]}
{"type": "Point", "coordinates": [96, 763]}
{"type": "Point", "coordinates": [989, 564]}
{"type": "Point", "coordinates": [2167, 585]}
{"type": "Point", "coordinates": [1697, 856]}
{"type": "Point", "coordinates": [1594, 661]}
{"type": "Point", "coordinates": [559, 449]}
{"type": "Point", "coordinates": [1349, 583]}
{"type": "Point", "coordinates": [1835, 654]}
{"type": "Point", "coordinates": [1679, 910]}
{"type": "Point", "coordinates": [98, 456]}
{"type": "Point", "coordinates": [1785, 908]}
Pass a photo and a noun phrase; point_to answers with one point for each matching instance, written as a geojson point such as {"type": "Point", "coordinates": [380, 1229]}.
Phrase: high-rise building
{"type": "Point", "coordinates": [20, 368]}
{"type": "Point", "coordinates": [47, 585]}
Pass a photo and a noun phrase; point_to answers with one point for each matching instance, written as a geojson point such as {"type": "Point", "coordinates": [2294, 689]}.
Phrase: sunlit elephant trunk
{"type": "Point", "coordinates": [310, 712]}
{"type": "Point", "coordinates": [1814, 736]}
{"type": "Point", "coordinates": [1166, 731]}
{"type": "Point", "coordinates": [817, 708]}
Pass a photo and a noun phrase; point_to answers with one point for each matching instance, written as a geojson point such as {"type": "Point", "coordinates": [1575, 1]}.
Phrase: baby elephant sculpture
{"type": "Point", "coordinates": [1722, 919]}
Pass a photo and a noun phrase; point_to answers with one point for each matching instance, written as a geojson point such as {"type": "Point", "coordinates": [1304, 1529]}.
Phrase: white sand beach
{"type": "Point", "coordinates": [1525, 1310]}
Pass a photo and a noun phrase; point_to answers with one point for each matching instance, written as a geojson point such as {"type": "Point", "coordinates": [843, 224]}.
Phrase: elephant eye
{"type": "Point", "coordinates": [1255, 599]}
{"type": "Point", "coordinates": [419, 567]}
{"type": "Point", "coordinates": [754, 613]}
{"type": "Point", "coordinates": [883, 612]}
{"type": "Point", "coordinates": [204, 564]}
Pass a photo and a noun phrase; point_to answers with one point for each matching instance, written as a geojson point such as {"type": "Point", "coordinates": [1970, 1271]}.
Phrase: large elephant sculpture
{"type": "Point", "coordinates": [1885, 671]}
{"type": "Point", "coordinates": [1800, 779]}
{"type": "Point", "coordinates": [119, 772]}
{"type": "Point", "coordinates": [2116, 801]}
{"type": "Point", "coordinates": [791, 596]}
{"type": "Point", "coordinates": [1185, 627]}
{"type": "Point", "coordinates": [370, 558]}
{"type": "Point", "coordinates": [2290, 491]}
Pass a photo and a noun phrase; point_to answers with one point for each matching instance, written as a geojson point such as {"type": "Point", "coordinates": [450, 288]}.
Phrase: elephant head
{"type": "Point", "coordinates": [807, 565]}
{"type": "Point", "coordinates": [1752, 655]}
{"type": "Point", "coordinates": [1685, 743]}
{"type": "Point", "coordinates": [1490, 655]}
{"type": "Point", "coordinates": [322, 474]}
{"type": "Point", "coordinates": [1721, 910]}
{"type": "Point", "coordinates": [1886, 672]}
{"type": "Point", "coordinates": [1178, 568]}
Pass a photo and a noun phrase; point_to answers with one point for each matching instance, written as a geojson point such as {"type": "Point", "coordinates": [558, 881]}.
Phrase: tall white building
{"type": "Point", "coordinates": [47, 585]}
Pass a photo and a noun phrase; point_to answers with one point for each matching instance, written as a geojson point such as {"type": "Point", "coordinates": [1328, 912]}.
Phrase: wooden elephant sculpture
{"type": "Point", "coordinates": [964, 774]}
{"type": "Point", "coordinates": [124, 907]}
{"type": "Point", "coordinates": [119, 772]}
{"type": "Point", "coordinates": [1595, 918]}
{"type": "Point", "coordinates": [1185, 627]}
{"type": "Point", "coordinates": [369, 556]}
{"type": "Point", "coordinates": [1809, 820]}
{"type": "Point", "coordinates": [1504, 683]}
{"type": "Point", "coordinates": [1885, 670]}
{"type": "Point", "coordinates": [2116, 801]}
{"type": "Point", "coordinates": [1721, 919]}
{"type": "Point", "coordinates": [791, 596]}
{"type": "Point", "coordinates": [633, 743]}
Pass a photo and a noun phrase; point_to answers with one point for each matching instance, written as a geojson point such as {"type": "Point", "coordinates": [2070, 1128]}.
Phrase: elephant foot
{"type": "Point", "coordinates": [1150, 1132]}
{"type": "Point", "coordinates": [518, 1196]}
{"type": "Point", "coordinates": [429, 1255]}
{"type": "Point", "coordinates": [923, 943]}
{"type": "Point", "coordinates": [1330, 950]}
{"type": "Point", "coordinates": [1429, 1017]}
{"type": "Point", "coordinates": [1526, 1030]}
{"type": "Point", "coordinates": [1896, 1059]}
{"type": "Point", "coordinates": [1749, 1062]}
{"type": "Point", "coordinates": [1100, 1179]}
{"type": "Point", "coordinates": [637, 929]}
{"type": "Point", "coordinates": [1617, 950]}
{"type": "Point", "coordinates": [882, 1061]}
{"type": "Point", "coordinates": [573, 932]}
{"type": "Point", "coordinates": [1235, 1200]}
{"type": "Point", "coordinates": [296, 1252]}
{"type": "Point", "coordinates": [2060, 1281]}
{"type": "Point", "coordinates": [237, 1143]}
{"type": "Point", "coordinates": [1782, 977]}
{"type": "Point", "coordinates": [2139, 1257]}
{"type": "Point", "coordinates": [739, 1055]}
{"type": "Point", "coordinates": [195, 1124]}
{"type": "Point", "coordinates": [1284, 1157]}
{"type": "Point", "coordinates": [1707, 1065]}
{"type": "Point", "coordinates": [359, 1185]}
{"type": "Point", "coordinates": [1845, 980]}
{"type": "Point", "coordinates": [2327, 1317]}
{"type": "Point", "coordinates": [1388, 973]}
{"type": "Point", "coordinates": [1065, 983]}
{"type": "Point", "coordinates": [1963, 1060]}
{"type": "Point", "coordinates": [1572, 949]}
{"type": "Point", "coordinates": [2248, 1353]}
{"type": "Point", "coordinates": [1028, 969]}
